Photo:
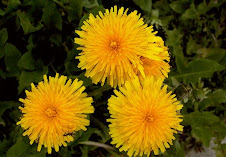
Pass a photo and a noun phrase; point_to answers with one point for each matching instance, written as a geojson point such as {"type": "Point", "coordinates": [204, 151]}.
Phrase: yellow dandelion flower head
{"type": "Point", "coordinates": [112, 45]}
{"type": "Point", "coordinates": [144, 117]}
{"type": "Point", "coordinates": [53, 110]}
{"type": "Point", "coordinates": [156, 68]}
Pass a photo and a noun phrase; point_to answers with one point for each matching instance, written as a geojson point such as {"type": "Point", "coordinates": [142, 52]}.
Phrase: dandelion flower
{"type": "Point", "coordinates": [54, 110]}
{"type": "Point", "coordinates": [112, 45]}
{"type": "Point", "coordinates": [159, 69]}
{"type": "Point", "coordinates": [144, 117]}
{"type": "Point", "coordinates": [156, 68]}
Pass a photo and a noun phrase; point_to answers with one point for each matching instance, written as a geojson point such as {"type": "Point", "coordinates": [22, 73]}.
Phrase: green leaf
{"type": "Point", "coordinates": [75, 11]}
{"type": "Point", "coordinates": [205, 104]}
{"type": "Point", "coordinates": [84, 151]}
{"type": "Point", "coordinates": [219, 127]}
{"type": "Point", "coordinates": [206, 6]}
{"type": "Point", "coordinates": [12, 56]}
{"type": "Point", "coordinates": [179, 150]}
{"type": "Point", "coordinates": [26, 24]}
{"type": "Point", "coordinates": [30, 44]}
{"type": "Point", "coordinates": [204, 133]}
{"type": "Point", "coordinates": [190, 13]}
{"type": "Point", "coordinates": [26, 78]}
{"type": "Point", "coordinates": [4, 105]}
{"type": "Point", "coordinates": [192, 46]}
{"type": "Point", "coordinates": [71, 54]}
{"type": "Point", "coordinates": [87, 134]}
{"type": "Point", "coordinates": [154, 18]}
{"type": "Point", "coordinates": [179, 57]}
{"type": "Point", "coordinates": [155, 14]}
{"type": "Point", "coordinates": [200, 118]}
{"type": "Point", "coordinates": [215, 54]}
{"type": "Point", "coordinates": [174, 37]}
{"type": "Point", "coordinates": [202, 8]}
{"type": "Point", "coordinates": [51, 15]}
{"type": "Point", "coordinates": [213, 99]}
{"type": "Point", "coordinates": [91, 3]}
{"type": "Point", "coordinates": [94, 11]}
{"type": "Point", "coordinates": [71, 66]}
{"type": "Point", "coordinates": [4, 145]}
{"type": "Point", "coordinates": [223, 61]}
{"type": "Point", "coordinates": [27, 61]}
{"type": "Point", "coordinates": [3, 36]}
{"type": "Point", "coordinates": [198, 68]}
{"type": "Point", "coordinates": [145, 5]}
{"type": "Point", "coordinates": [178, 6]}
{"type": "Point", "coordinates": [218, 96]}
{"type": "Point", "coordinates": [12, 4]}
{"type": "Point", "coordinates": [18, 148]}
{"type": "Point", "coordinates": [201, 123]}
{"type": "Point", "coordinates": [166, 20]}
{"type": "Point", "coordinates": [104, 128]}
{"type": "Point", "coordinates": [32, 151]}
{"type": "Point", "coordinates": [2, 12]}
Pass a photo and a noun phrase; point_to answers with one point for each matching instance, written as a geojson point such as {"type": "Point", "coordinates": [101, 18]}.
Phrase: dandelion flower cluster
{"type": "Point", "coordinates": [53, 110]}
{"type": "Point", "coordinates": [117, 47]}
{"type": "Point", "coordinates": [144, 117]}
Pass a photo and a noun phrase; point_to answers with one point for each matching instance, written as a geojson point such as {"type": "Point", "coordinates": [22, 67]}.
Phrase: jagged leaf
{"type": "Point", "coordinates": [198, 68]}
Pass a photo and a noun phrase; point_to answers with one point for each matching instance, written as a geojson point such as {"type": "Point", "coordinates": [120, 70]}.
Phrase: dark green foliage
{"type": "Point", "coordinates": [37, 38]}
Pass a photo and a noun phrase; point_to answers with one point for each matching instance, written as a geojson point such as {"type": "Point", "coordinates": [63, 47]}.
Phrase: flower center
{"type": "Point", "coordinates": [51, 112]}
{"type": "Point", "coordinates": [148, 118]}
{"type": "Point", "coordinates": [114, 46]}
